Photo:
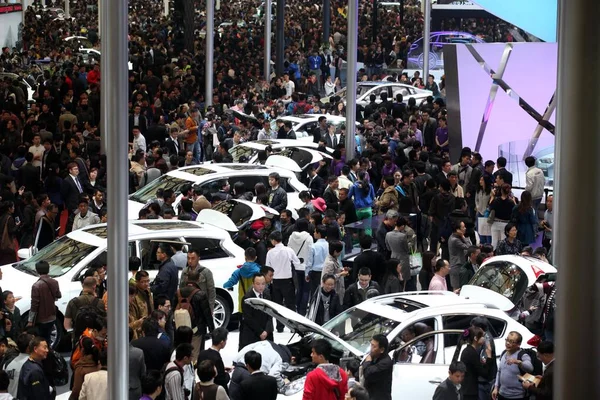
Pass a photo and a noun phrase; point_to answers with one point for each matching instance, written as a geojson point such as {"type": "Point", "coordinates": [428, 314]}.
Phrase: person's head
{"type": "Point", "coordinates": [513, 341]}
{"type": "Point", "coordinates": [164, 252]}
{"type": "Point", "coordinates": [134, 264]}
{"type": "Point", "coordinates": [285, 217]}
{"type": "Point", "coordinates": [193, 258]}
{"type": "Point", "coordinates": [472, 254]}
{"type": "Point", "coordinates": [549, 202]}
{"type": "Point", "coordinates": [365, 242]}
{"type": "Point", "coordinates": [446, 166]}
{"type": "Point", "coordinates": [530, 161]}
{"type": "Point", "coordinates": [456, 372]}
{"type": "Point", "coordinates": [253, 361]}
{"type": "Point", "coordinates": [545, 352]}
{"type": "Point", "coordinates": [183, 353]}
{"type": "Point", "coordinates": [452, 178]}
{"type": "Point", "coordinates": [259, 283]}
{"type": "Point", "coordinates": [320, 351]}
{"type": "Point", "coordinates": [162, 303]}
{"type": "Point", "coordinates": [328, 283]}
{"type": "Point", "coordinates": [219, 337]}
{"type": "Point", "coordinates": [364, 277]}
{"type": "Point", "coordinates": [23, 341]}
{"type": "Point", "coordinates": [379, 346]}
{"type": "Point", "coordinates": [510, 230]}
{"type": "Point", "coordinates": [501, 162]}
{"type": "Point", "coordinates": [459, 228]}
{"type": "Point", "coordinates": [42, 267]}
{"type": "Point", "coordinates": [442, 267]}
{"type": "Point", "coordinates": [83, 206]}
{"type": "Point", "coordinates": [152, 383]}
{"type": "Point", "coordinates": [268, 273]}
{"type": "Point", "coordinates": [183, 334]}
{"type": "Point", "coordinates": [150, 327]}
{"type": "Point", "coordinates": [250, 254]}
{"type": "Point", "coordinates": [142, 280]}
{"type": "Point", "coordinates": [474, 336]}
{"type": "Point", "coordinates": [38, 348]}
{"type": "Point", "coordinates": [206, 371]}
{"type": "Point", "coordinates": [335, 248]}
{"type": "Point", "coordinates": [391, 217]}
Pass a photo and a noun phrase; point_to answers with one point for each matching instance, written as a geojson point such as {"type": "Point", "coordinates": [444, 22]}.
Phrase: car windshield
{"type": "Point", "coordinates": [362, 89]}
{"type": "Point", "coordinates": [356, 327]}
{"type": "Point", "coordinates": [165, 182]}
{"type": "Point", "coordinates": [242, 151]}
{"type": "Point", "coordinates": [62, 255]}
{"type": "Point", "coordinates": [504, 278]}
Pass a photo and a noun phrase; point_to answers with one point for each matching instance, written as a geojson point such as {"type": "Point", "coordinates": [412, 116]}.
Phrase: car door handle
{"type": "Point", "coordinates": [436, 381]}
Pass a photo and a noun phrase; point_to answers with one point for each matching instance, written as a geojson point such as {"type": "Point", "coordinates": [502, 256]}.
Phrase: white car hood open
{"type": "Point", "coordinates": [297, 323]}
{"type": "Point", "coordinates": [215, 218]}
{"type": "Point", "coordinates": [486, 296]}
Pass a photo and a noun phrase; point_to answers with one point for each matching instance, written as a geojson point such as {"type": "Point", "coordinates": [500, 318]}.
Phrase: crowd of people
{"type": "Point", "coordinates": [426, 221]}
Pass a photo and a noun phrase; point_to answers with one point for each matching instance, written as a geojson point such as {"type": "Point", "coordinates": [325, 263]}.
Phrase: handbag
{"type": "Point", "coordinates": [6, 243]}
{"type": "Point", "coordinates": [492, 218]}
{"type": "Point", "coordinates": [416, 263]}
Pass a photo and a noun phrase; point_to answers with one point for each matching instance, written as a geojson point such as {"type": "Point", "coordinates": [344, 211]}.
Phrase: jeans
{"type": "Point", "coordinates": [45, 331]}
{"type": "Point", "coordinates": [302, 293]}
{"type": "Point", "coordinates": [284, 293]}
{"type": "Point", "coordinates": [485, 390]}
{"type": "Point", "coordinates": [197, 151]}
{"type": "Point", "coordinates": [483, 239]}
{"type": "Point", "coordinates": [497, 232]}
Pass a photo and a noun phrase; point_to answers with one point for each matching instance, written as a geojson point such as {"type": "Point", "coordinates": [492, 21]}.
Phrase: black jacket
{"type": "Point", "coordinates": [278, 199]}
{"type": "Point", "coordinates": [544, 390]}
{"type": "Point", "coordinates": [447, 391]}
{"type": "Point", "coordinates": [254, 322]}
{"type": "Point", "coordinates": [331, 199]}
{"type": "Point", "coordinates": [166, 281]}
{"type": "Point", "coordinates": [157, 352]}
{"type": "Point", "coordinates": [347, 206]}
{"type": "Point", "coordinates": [475, 369]}
{"type": "Point", "coordinates": [378, 377]}
{"type": "Point", "coordinates": [222, 378]}
{"type": "Point", "coordinates": [352, 295]}
{"type": "Point", "coordinates": [259, 386]}
{"type": "Point", "coordinates": [466, 272]}
{"type": "Point", "coordinates": [33, 383]}
{"type": "Point", "coordinates": [316, 186]}
{"type": "Point", "coordinates": [441, 206]}
{"type": "Point", "coordinates": [240, 374]}
{"type": "Point", "coordinates": [371, 259]}
{"type": "Point", "coordinates": [70, 193]}
{"type": "Point", "coordinates": [30, 177]}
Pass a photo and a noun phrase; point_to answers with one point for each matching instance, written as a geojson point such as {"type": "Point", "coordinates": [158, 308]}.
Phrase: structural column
{"type": "Point", "coordinates": [280, 37]}
{"type": "Point", "coordinates": [375, 18]}
{"type": "Point", "coordinates": [268, 20]}
{"type": "Point", "coordinates": [67, 8]}
{"type": "Point", "coordinates": [210, 48]}
{"type": "Point", "coordinates": [426, 38]}
{"type": "Point", "coordinates": [351, 78]}
{"type": "Point", "coordinates": [166, 6]}
{"type": "Point", "coordinates": [576, 230]}
{"type": "Point", "coordinates": [114, 86]}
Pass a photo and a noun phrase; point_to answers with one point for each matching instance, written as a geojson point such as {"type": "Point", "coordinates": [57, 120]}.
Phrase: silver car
{"type": "Point", "coordinates": [364, 90]}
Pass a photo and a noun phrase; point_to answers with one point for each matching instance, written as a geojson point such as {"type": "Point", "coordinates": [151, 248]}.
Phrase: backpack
{"type": "Point", "coordinates": [538, 368]}
{"type": "Point", "coordinates": [78, 350]}
{"type": "Point", "coordinates": [86, 316]}
{"type": "Point", "coordinates": [184, 312]}
{"type": "Point", "coordinates": [55, 368]}
{"type": "Point", "coordinates": [166, 371]}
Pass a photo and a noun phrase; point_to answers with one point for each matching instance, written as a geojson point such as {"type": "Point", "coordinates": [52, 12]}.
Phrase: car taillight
{"type": "Point", "coordinates": [534, 341]}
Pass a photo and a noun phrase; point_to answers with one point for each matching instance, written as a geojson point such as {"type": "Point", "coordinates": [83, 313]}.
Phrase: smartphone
{"type": "Point", "coordinates": [17, 220]}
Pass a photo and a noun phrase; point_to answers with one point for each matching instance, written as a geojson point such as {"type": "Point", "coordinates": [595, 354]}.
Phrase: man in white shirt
{"type": "Point", "coordinates": [535, 181]}
{"type": "Point", "coordinates": [85, 217]}
{"type": "Point", "coordinates": [37, 150]}
{"type": "Point", "coordinates": [289, 87]}
{"type": "Point", "coordinates": [281, 258]}
{"type": "Point", "coordinates": [266, 133]}
{"type": "Point", "coordinates": [139, 141]}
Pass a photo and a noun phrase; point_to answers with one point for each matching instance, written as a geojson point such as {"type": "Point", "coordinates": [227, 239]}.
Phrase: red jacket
{"type": "Point", "coordinates": [323, 381]}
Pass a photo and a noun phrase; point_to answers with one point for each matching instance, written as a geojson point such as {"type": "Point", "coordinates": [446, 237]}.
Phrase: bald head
{"type": "Point", "coordinates": [89, 283]}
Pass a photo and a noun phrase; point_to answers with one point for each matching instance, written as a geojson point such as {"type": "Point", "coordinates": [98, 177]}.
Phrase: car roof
{"type": "Point", "coordinates": [96, 235]}
{"type": "Point", "coordinates": [195, 173]}
{"type": "Point", "coordinates": [532, 266]}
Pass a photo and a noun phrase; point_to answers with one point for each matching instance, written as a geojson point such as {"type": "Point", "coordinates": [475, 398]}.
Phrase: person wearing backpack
{"type": "Point", "coordinates": [514, 361]}
{"type": "Point", "coordinates": [192, 309]}
{"type": "Point", "coordinates": [206, 282]}
{"type": "Point", "coordinates": [242, 276]}
{"type": "Point", "coordinates": [83, 309]}
{"type": "Point", "coordinates": [44, 294]}
{"type": "Point", "coordinates": [13, 367]}
{"type": "Point", "coordinates": [174, 387]}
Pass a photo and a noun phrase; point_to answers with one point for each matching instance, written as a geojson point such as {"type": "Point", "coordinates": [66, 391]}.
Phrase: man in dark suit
{"type": "Point", "coordinates": [361, 290]}
{"type": "Point", "coordinates": [72, 188]}
{"type": "Point", "coordinates": [173, 144]}
{"type": "Point", "coordinates": [507, 177]}
{"type": "Point", "coordinates": [467, 270]}
{"type": "Point", "coordinates": [157, 352]}
{"type": "Point", "coordinates": [330, 197]}
{"type": "Point", "coordinates": [259, 386]}
{"type": "Point", "coordinates": [29, 176]}
{"type": "Point", "coordinates": [137, 119]}
{"type": "Point", "coordinates": [256, 325]}
{"type": "Point", "coordinates": [428, 129]}
{"type": "Point", "coordinates": [331, 139]}
{"type": "Point", "coordinates": [219, 340]}
{"type": "Point", "coordinates": [367, 258]}
{"type": "Point", "coordinates": [543, 391]}
{"type": "Point", "coordinates": [49, 157]}
{"type": "Point", "coordinates": [315, 182]}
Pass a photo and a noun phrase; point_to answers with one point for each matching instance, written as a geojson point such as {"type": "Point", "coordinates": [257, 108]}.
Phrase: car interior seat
{"type": "Point", "coordinates": [429, 356]}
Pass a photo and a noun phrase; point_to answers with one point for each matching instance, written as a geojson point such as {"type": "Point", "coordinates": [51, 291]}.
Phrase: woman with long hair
{"type": "Point", "coordinates": [332, 266]}
{"type": "Point", "coordinates": [482, 201]}
{"type": "Point", "coordinates": [427, 272]}
{"type": "Point", "coordinates": [325, 302]}
{"type": "Point", "coordinates": [392, 280]}
{"type": "Point", "coordinates": [8, 232]}
{"type": "Point", "coordinates": [524, 216]}
{"type": "Point", "coordinates": [501, 206]}
{"type": "Point", "coordinates": [477, 366]}
{"type": "Point", "coordinates": [88, 363]}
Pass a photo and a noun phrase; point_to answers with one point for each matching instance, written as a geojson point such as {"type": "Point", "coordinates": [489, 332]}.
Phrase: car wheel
{"type": "Point", "coordinates": [55, 336]}
{"type": "Point", "coordinates": [433, 59]}
{"type": "Point", "coordinates": [222, 313]}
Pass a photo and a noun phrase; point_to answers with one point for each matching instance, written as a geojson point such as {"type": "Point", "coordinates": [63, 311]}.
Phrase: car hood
{"type": "Point", "coordinates": [133, 209]}
{"type": "Point", "coordinates": [297, 323]}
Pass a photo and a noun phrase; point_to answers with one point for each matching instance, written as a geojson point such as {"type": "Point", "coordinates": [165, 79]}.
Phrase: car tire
{"type": "Point", "coordinates": [57, 330]}
{"type": "Point", "coordinates": [433, 59]}
{"type": "Point", "coordinates": [222, 312]}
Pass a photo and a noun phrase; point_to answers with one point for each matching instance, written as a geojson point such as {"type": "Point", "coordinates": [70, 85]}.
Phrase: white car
{"type": "Point", "coordinates": [502, 281]}
{"type": "Point", "coordinates": [28, 90]}
{"type": "Point", "coordinates": [71, 255]}
{"type": "Point", "coordinates": [209, 177]}
{"type": "Point", "coordinates": [441, 315]}
{"type": "Point", "coordinates": [299, 154]}
{"type": "Point", "coordinates": [365, 89]}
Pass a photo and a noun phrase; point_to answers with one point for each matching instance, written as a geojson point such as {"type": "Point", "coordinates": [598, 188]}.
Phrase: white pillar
{"type": "Point", "coordinates": [67, 8]}
{"type": "Point", "coordinates": [351, 78]}
{"type": "Point", "coordinates": [267, 65]}
{"type": "Point", "coordinates": [166, 4]}
{"type": "Point", "coordinates": [426, 38]}
{"type": "Point", "coordinates": [210, 48]}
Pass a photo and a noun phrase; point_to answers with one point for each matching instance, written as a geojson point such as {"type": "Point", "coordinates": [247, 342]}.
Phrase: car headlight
{"type": "Point", "coordinates": [294, 386]}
